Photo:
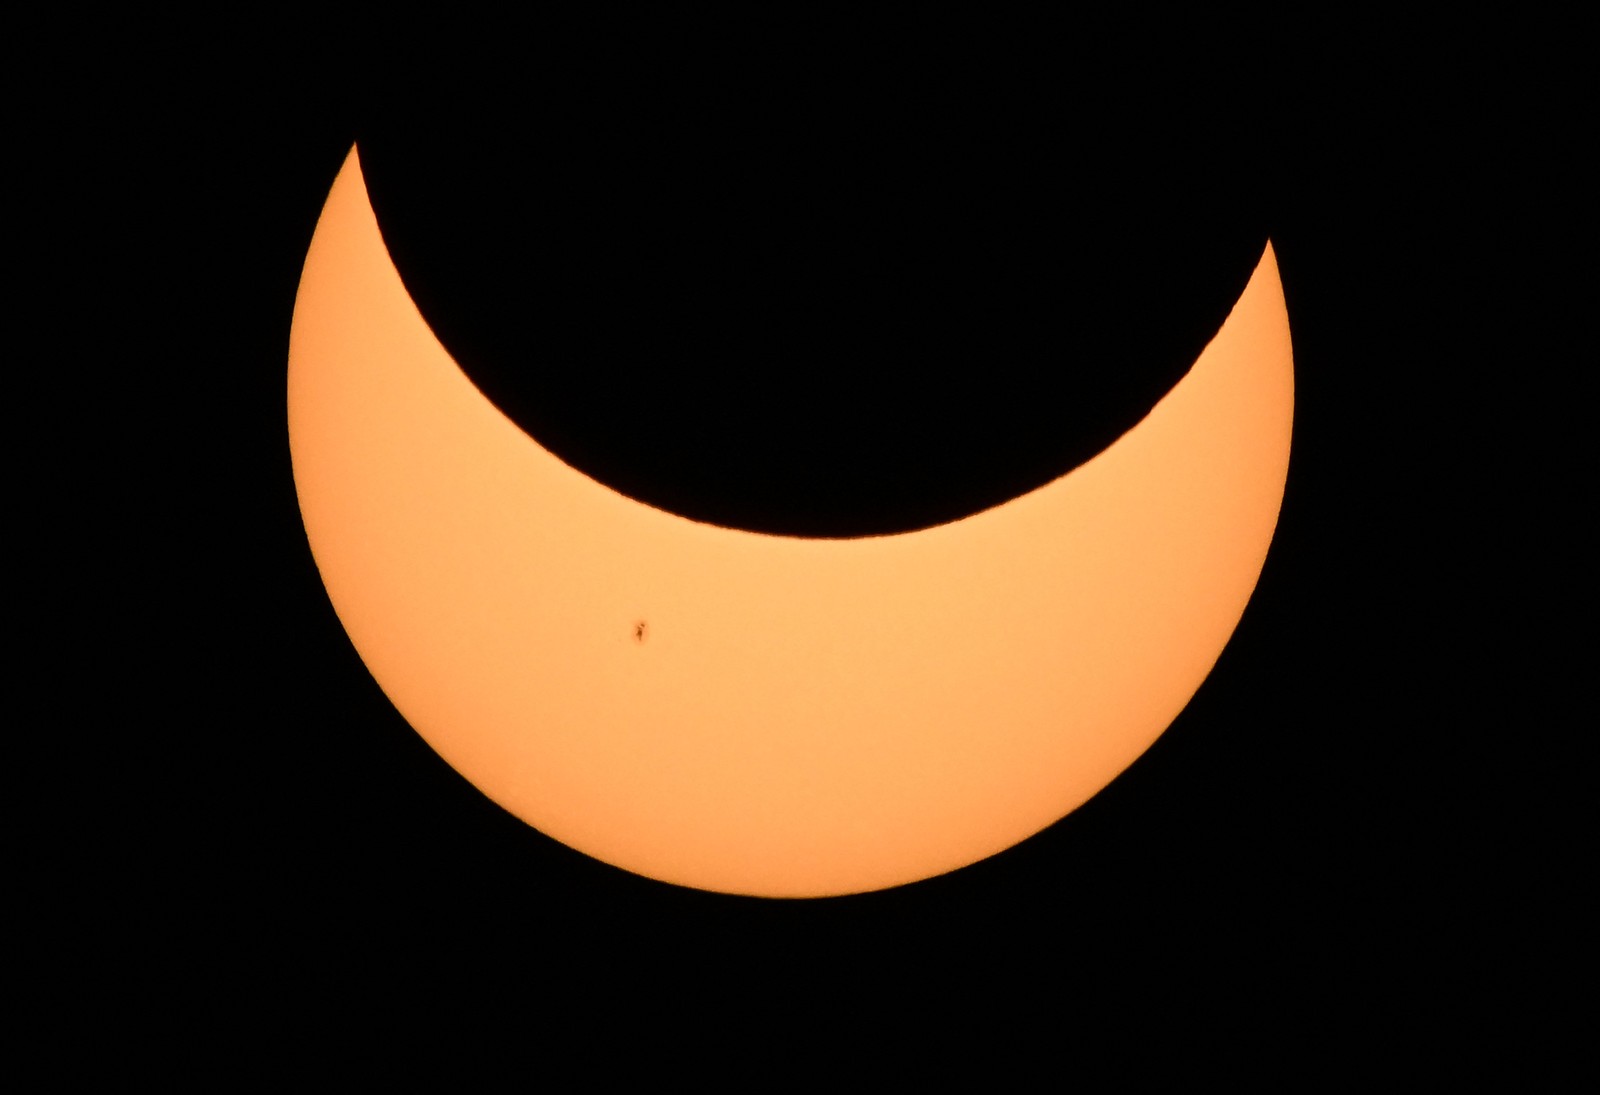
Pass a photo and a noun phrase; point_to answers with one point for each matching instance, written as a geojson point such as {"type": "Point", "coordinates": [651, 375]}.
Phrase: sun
{"type": "Point", "coordinates": [767, 714]}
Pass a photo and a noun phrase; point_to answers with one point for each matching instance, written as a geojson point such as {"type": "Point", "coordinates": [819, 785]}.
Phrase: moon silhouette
{"type": "Point", "coordinates": [760, 714]}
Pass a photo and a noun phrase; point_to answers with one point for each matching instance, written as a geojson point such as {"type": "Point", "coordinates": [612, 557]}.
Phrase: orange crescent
{"type": "Point", "coordinates": [796, 717]}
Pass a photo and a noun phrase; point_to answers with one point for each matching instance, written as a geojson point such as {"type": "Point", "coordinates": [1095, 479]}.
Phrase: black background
{"type": "Point", "coordinates": [1322, 839]}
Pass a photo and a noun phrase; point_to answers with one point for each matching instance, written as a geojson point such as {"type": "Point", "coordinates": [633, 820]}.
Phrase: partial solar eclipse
{"type": "Point", "coordinates": [764, 714]}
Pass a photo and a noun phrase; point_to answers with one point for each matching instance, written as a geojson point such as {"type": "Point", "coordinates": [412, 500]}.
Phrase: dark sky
{"type": "Point", "coordinates": [1320, 803]}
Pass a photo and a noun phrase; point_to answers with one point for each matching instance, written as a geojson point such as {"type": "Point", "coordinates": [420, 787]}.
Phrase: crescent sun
{"type": "Point", "coordinates": [761, 714]}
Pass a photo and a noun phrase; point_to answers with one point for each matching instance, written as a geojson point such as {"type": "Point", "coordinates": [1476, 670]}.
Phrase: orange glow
{"type": "Point", "coordinates": [796, 717]}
